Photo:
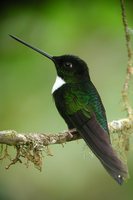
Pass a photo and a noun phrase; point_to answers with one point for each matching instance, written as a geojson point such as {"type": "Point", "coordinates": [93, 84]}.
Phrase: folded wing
{"type": "Point", "coordinates": [98, 141]}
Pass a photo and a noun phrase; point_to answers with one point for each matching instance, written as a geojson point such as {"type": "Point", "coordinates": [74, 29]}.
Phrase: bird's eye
{"type": "Point", "coordinates": [68, 64]}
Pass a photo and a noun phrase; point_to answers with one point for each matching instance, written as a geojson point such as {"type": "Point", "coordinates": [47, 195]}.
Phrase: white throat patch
{"type": "Point", "coordinates": [58, 83]}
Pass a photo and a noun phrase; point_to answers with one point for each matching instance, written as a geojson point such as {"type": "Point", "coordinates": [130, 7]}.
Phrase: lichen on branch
{"type": "Point", "coordinates": [129, 73]}
{"type": "Point", "coordinates": [31, 146]}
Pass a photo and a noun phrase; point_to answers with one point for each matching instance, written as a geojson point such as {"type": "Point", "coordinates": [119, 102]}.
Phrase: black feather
{"type": "Point", "coordinates": [99, 142]}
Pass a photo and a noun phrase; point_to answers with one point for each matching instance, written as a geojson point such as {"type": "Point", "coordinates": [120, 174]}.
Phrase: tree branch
{"type": "Point", "coordinates": [129, 74]}
{"type": "Point", "coordinates": [13, 138]}
{"type": "Point", "coordinates": [30, 146]}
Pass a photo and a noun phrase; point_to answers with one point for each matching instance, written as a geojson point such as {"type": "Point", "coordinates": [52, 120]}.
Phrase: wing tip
{"type": "Point", "coordinates": [120, 179]}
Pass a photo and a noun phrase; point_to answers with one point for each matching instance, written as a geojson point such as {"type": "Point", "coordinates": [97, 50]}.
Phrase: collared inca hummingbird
{"type": "Point", "coordinates": [78, 102]}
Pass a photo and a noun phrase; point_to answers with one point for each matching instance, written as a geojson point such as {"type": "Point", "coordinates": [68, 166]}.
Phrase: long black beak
{"type": "Point", "coordinates": [34, 48]}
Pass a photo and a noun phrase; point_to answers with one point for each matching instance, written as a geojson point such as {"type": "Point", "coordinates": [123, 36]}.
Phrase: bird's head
{"type": "Point", "coordinates": [71, 68]}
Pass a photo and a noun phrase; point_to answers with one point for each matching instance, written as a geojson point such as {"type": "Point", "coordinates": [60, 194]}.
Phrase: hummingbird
{"type": "Point", "coordinates": [79, 103]}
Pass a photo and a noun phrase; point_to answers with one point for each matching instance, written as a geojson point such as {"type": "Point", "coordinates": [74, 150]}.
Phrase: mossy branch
{"type": "Point", "coordinates": [13, 138]}
{"type": "Point", "coordinates": [30, 146]}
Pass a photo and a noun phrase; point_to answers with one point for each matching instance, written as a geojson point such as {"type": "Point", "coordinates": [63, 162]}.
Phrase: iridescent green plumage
{"type": "Point", "coordinates": [86, 98]}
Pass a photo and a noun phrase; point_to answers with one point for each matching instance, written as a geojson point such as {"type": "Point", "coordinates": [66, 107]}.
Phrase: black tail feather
{"type": "Point", "coordinates": [98, 141]}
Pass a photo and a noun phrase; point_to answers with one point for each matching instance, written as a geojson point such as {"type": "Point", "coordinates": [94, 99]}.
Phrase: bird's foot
{"type": "Point", "coordinates": [70, 131]}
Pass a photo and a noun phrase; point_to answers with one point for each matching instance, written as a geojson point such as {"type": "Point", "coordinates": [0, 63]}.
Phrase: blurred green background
{"type": "Point", "coordinates": [92, 30]}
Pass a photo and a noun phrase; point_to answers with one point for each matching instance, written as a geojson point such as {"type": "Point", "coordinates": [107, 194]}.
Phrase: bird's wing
{"type": "Point", "coordinates": [82, 115]}
{"type": "Point", "coordinates": [86, 97]}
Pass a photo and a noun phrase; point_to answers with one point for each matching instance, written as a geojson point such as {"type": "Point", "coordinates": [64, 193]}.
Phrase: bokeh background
{"type": "Point", "coordinates": [92, 30]}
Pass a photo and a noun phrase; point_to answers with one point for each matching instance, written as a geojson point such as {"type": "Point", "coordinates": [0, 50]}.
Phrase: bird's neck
{"type": "Point", "coordinates": [59, 82]}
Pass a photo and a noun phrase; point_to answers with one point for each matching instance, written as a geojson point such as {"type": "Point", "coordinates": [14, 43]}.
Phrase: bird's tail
{"type": "Point", "coordinates": [98, 141]}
